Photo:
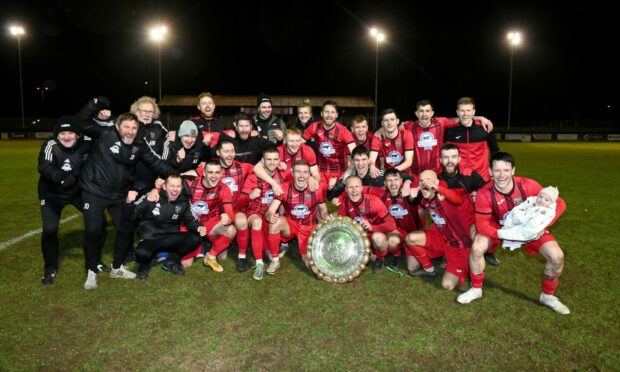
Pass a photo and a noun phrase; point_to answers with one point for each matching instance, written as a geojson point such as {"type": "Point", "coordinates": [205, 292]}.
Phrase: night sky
{"type": "Point", "coordinates": [439, 51]}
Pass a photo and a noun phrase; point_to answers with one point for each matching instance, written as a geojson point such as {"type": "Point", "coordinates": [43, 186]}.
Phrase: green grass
{"type": "Point", "coordinates": [293, 321]}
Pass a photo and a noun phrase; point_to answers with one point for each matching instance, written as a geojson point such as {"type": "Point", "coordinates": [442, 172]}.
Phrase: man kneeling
{"type": "Point", "coordinates": [159, 224]}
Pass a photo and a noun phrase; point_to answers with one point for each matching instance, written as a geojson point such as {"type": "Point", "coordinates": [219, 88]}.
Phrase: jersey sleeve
{"type": "Point", "coordinates": [309, 155]}
{"type": "Point", "coordinates": [483, 202]}
{"type": "Point", "coordinates": [407, 140]}
{"type": "Point", "coordinates": [309, 132]}
{"type": "Point", "coordinates": [282, 197]}
{"type": "Point", "coordinates": [346, 136]}
{"type": "Point", "coordinates": [249, 184]}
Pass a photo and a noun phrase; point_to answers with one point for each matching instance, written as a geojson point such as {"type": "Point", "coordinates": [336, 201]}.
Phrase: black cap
{"type": "Point", "coordinates": [262, 98]}
{"type": "Point", "coordinates": [66, 124]}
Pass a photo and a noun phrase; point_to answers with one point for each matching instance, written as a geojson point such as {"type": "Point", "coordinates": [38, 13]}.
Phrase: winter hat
{"type": "Point", "coordinates": [187, 128]}
{"type": "Point", "coordinates": [262, 98]}
{"type": "Point", "coordinates": [552, 192]}
{"type": "Point", "coordinates": [66, 124]}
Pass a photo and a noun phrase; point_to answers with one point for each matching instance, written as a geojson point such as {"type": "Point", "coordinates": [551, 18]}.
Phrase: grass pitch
{"type": "Point", "coordinates": [293, 321]}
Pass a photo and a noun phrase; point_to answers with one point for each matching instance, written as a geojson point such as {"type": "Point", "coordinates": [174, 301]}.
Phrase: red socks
{"type": "Point", "coordinates": [243, 240]}
{"type": "Point", "coordinates": [548, 286]}
{"type": "Point", "coordinates": [274, 244]}
{"type": "Point", "coordinates": [220, 244]}
{"type": "Point", "coordinates": [476, 280]}
{"type": "Point", "coordinates": [257, 243]}
{"type": "Point", "coordinates": [420, 254]}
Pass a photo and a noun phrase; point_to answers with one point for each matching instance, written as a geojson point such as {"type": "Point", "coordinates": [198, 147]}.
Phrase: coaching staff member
{"type": "Point", "coordinates": [107, 176]}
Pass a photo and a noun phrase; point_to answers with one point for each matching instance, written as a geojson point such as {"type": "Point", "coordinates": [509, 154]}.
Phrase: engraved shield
{"type": "Point", "coordinates": [338, 250]}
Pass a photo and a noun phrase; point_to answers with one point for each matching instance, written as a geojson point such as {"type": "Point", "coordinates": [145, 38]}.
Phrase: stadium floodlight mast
{"type": "Point", "coordinates": [379, 37]}
{"type": "Point", "coordinates": [18, 31]}
{"type": "Point", "coordinates": [42, 89]}
{"type": "Point", "coordinates": [158, 34]}
{"type": "Point", "coordinates": [514, 39]}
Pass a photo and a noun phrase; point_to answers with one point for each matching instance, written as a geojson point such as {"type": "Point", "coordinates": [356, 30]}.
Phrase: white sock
{"type": "Point", "coordinates": [241, 255]}
{"type": "Point", "coordinates": [259, 262]}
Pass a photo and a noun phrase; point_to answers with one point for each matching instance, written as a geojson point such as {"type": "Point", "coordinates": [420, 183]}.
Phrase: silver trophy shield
{"type": "Point", "coordinates": [338, 250]}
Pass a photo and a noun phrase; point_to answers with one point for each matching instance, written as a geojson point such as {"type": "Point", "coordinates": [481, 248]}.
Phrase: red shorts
{"type": "Point", "coordinates": [533, 246]}
{"type": "Point", "coordinates": [301, 232]}
{"type": "Point", "coordinates": [209, 223]}
{"type": "Point", "coordinates": [458, 262]}
{"type": "Point", "coordinates": [435, 245]}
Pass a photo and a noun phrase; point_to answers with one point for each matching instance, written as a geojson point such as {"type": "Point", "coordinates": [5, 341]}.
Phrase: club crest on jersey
{"type": "Point", "coordinates": [268, 198]}
{"type": "Point", "coordinates": [66, 166]}
{"type": "Point", "coordinates": [200, 207]}
{"type": "Point", "coordinates": [300, 211]}
{"type": "Point", "coordinates": [233, 171]}
{"type": "Point", "coordinates": [307, 196]}
{"type": "Point", "coordinates": [394, 158]}
{"type": "Point", "coordinates": [398, 143]}
{"type": "Point", "coordinates": [397, 211]}
{"type": "Point", "coordinates": [177, 209]}
{"type": "Point", "coordinates": [156, 212]}
{"type": "Point", "coordinates": [437, 219]}
{"type": "Point", "coordinates": [327, 149]}
{"type": "Point", "coordinates": [230, 182]}
{"type": "Point", "coordinates": [427, 141]}
{"type": "Point", "coordinates": [115, 149]}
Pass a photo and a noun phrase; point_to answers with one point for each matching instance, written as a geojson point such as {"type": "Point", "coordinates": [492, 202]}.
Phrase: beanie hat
{"type": "Point", "coordinates": [553, 192]}
{"type": "Point", "coordinates": [262, 98]}
{"type": "Point", "coordinates": [66, 124]}
{"type": "Point", "coordinates": [187, 128]}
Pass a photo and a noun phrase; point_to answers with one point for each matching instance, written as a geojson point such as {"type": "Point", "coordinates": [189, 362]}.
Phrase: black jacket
{"type": "Point", "coordinates": [265, 127]}
{"type": "Point", "coordinates": [161, 218]}
{"type": "Point", "coordinates": [59, 168]}
{"type": "Point", "coordinates": [111, 165]}
{"type": "Point", "coordinates": [250, 150]}
{"type": "Point", "coordinates": [193, 156]}
{"type": "Point", "coordinates": [154, 136]}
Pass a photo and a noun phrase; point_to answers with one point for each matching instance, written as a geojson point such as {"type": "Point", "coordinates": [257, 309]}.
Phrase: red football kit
{"type": "Point", "coordinates": [393, 149]}
{"type": "Point", "coordinates": [427, 143]}
{"type": "Point", "coordinates": [331, 146]}
{"type": "Point", "coordinates": [492, 207]}
{"type": "Point", "coordinates": [305, 152]}
{"type": "Point", "coordinates": [300, 208]}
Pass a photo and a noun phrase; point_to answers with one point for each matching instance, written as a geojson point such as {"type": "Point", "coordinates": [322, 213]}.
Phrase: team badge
{"type": "Point", "coordinates": [177, 209]}
{"type": "Point", "coordinates": [233, 171]}
{"type": "Point", "coordinates": [307, 196]}
{"type": "Point", "coordinates": [156, 212]}
{"type": "Point", "coordinates": [518, 200]}
{"type": "Point", "coordinates": [115, 149]}
{"type": "Point", "coordinates": [66, 166]}
{"type": "Point", "coordinates": [398, 143]}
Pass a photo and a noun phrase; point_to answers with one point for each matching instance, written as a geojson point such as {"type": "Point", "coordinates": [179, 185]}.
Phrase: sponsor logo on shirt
{"type": "Point", "coordinates": [300, 211]}
{"type": "Point", "coordinates": [230, 182]}
{"type": "Point", "coordinates": [427, 141]}
{"type": "Point", "coordinates": [437, 219]}
{"type": "Point", "coordinates": [327, 149]}
{"type": "Point", "coordinates": [268, 198]}
{"type": "Point", "coordinates": [394, 158]}
{"type": "Point", "coordinates": [397, 211]}
{"type": "Point", "coordinates": [200, 207]}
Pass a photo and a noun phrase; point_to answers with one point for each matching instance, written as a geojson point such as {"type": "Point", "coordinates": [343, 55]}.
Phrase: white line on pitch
{"type": "Point", "coordinates": [31, 233]}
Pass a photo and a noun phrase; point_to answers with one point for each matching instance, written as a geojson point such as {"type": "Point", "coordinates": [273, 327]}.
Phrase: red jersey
{"type": "Point", "coordinates": [208, 202]}
{"type": "Point", "coordinates": [301, 206]}
{"type": "Point", "coordinates": [474, 144]}
{"type": "Point", "coordinates": [453, 221]}
{"type": "Point", "coordinates": [490, 201]}
{"type": "Point", "coordinates": [393, 149]}
{"type": "Point", "coordinates": [372, 143]}
{"type": "Point", "coordinates": [427, 143]}
{"type": "Point", "coordinates": [370, 207]}
{"type": "Point", "coordinates": [234, 176]}
{"type": "Point", "coordinates": [331, 145]}
{"type": "Point", "coordinates": [261, 204]}
{"type": "Point", "coordinates": [305, 152]}
{"type": "Point", "coordinates": [405, 214]}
